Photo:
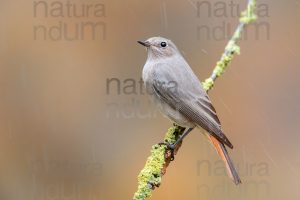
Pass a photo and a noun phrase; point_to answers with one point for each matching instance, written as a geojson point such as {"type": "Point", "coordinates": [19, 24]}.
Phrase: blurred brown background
{"type": "Point", "coordinates": [65, 133]}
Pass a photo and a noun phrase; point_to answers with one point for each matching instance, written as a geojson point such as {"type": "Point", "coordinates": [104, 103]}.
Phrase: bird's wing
{"type": "Point", "coordinates": [192, 101]}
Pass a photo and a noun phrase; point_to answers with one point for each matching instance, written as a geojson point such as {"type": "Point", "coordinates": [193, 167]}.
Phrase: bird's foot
{"type": "Point", "coordinates": [170, 147]}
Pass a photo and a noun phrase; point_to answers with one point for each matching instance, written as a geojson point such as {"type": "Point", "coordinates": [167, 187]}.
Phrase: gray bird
{"type": "Point", "coordinates": [178, 93]}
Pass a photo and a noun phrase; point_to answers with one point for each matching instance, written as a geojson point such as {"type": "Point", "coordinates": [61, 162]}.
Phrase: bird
{"type": "Point", "coordinates": [179, 95]}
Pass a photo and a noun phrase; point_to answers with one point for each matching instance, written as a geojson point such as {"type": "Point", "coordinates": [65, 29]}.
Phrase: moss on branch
{"type": "Point", "coordinates": [156, 164]}
{"type": "Point", "coordinates": [247, 16]}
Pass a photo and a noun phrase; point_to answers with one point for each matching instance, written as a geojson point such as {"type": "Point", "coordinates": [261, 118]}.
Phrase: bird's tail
{"type": "Point", "coordinates": [221, 149]}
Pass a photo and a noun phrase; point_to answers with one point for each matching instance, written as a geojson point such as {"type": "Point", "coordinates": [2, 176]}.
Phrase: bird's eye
{"type": "Point", "coordinates": [163, 44]}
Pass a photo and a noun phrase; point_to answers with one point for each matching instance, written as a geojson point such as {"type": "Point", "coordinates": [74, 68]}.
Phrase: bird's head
{"type": "Point", "coordinates": [159, 47]}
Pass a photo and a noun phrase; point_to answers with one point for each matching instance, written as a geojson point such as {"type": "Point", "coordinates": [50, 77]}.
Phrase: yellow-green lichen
{"type": "Point", "coordinates": [248, 16]}
{"type": "Point", "coordinates": [151, 175]}
{"type": "Point", "coordinates": [207, 84]}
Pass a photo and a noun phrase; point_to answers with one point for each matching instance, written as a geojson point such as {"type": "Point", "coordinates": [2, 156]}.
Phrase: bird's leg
{"type": "Point", "coordinates": [172, 147]}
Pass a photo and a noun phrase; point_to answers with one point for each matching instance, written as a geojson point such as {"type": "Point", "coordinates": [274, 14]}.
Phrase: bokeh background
{"type": "Point", "coordinates": [66, 133]}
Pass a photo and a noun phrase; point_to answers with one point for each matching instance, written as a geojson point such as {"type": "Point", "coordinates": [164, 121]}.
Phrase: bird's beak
{"type": "Point", "coordinates": [146, 44]}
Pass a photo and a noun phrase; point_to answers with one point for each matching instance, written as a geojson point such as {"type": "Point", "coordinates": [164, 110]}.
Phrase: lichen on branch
{"type": "Point", "coordinates": [151, 175]}
{"type": "Point", "coordinates": [247, 16]}
{"type": "Point", "coordinates": [156, 164]}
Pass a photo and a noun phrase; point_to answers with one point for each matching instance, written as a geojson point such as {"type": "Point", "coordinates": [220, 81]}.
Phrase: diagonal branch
{"type": "Point", "coordinates": [156, 165]}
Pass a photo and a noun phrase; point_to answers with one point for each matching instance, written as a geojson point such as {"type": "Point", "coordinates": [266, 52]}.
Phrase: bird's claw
{"type": "Point", "coordinates": [170, 147]}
